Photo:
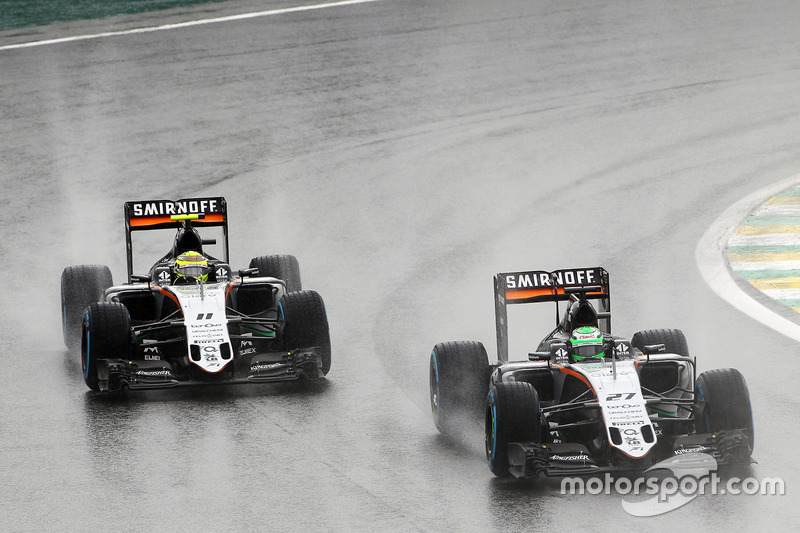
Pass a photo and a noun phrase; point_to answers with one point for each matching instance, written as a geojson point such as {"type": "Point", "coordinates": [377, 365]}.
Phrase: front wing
{"type": "Point", "coordinates": [119, 374]}
{"type": "Point", "coordinates": [527, 460]}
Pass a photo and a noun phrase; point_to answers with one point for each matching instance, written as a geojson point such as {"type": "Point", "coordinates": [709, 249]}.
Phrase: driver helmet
{"type": "Point", "coordinates": [586, 342]}
{"type": "Point", "coordinates": [190, 267]}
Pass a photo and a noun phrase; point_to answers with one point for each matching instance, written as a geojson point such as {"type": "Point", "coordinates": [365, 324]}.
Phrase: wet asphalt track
{"type": "Point", "coordinates": [405, 151]}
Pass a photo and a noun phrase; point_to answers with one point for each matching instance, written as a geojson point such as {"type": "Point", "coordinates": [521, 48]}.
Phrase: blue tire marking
{"type": "Point", "coordinates": [438, 396]}
{"type": "Point", "coordinates": [494, 430]}
{"type": "Point", "coordinates": [88, 345]}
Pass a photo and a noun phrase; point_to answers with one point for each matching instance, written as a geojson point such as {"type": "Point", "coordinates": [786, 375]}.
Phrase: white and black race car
{"type": "Point", "coordinates": [586, 401]}
{"type": "Point", "coordinates": [192, 319]}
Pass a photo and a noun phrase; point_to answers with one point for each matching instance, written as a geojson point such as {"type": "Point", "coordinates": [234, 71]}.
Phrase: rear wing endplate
{"type": "Point", "coordinates": [165, 214]}
{"type": "Point", "coordinates": [542, 286]}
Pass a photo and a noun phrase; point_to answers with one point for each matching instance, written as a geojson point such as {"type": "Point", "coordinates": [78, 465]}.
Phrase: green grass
{"type": "Point", "coordinates": [16, 14]}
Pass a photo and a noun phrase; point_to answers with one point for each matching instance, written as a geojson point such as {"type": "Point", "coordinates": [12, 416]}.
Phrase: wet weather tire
{"type": "Point", "coordinates": [459, 382]}
{"type": "Point", "coordinates": [724, 403]}
{"type": "Point", "coordinates": [80, 286]}
{"type": "Point", "coordinates": [285, 267]}
{"type": "Point", "coordinates": [674, 340]}
{"type": "Point", "coordinates": [512, 415]}
{"type": "Point", "coordinates": [106, 335]}
{"type": "Point", "coordinates": [306, 324]}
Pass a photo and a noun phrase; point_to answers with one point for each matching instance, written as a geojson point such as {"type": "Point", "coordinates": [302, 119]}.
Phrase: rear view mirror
{"type": "Point", "coordinates": [654, 348]}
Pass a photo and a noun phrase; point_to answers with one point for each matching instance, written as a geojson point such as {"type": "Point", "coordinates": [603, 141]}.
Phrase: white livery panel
{"type": "Point", "coordinates": [624, 410]}
{"type": "Point", "coordinates": [206, 324]}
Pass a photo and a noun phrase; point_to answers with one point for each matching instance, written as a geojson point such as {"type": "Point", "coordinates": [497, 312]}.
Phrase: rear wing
{"type": "Point", "coordinates": [165, 214]}
{"type": "Point", "coordinates": [541, 286]}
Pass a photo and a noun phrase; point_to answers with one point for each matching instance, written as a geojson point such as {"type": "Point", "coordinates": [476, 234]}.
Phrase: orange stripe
{"type": "Point", "coordinates": [227, 292]}
{"type": "Point", "coordinates": [166, 219]}
{"type": "Point", "coordinates": [518, 294]}
{"type": "Point", "coordinates": [170, 295]}
{"type": "Point", "coordinates": [577, 375]}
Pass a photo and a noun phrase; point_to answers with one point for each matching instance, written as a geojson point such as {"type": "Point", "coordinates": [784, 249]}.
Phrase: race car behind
{"type": "Point", "coordinates": [191, 319]}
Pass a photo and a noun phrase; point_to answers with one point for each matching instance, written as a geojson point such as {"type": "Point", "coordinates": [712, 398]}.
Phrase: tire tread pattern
{"type": "Point", "coordinates": [281, 266]}
{"type": "Point", "coordinates": [80, 286]}
{"type": "Point", "coordinates": [674, 340]}
{"type": "Point", "coordinates": [459, 374]}
{"type": "Point", "coordinates": [307, 324]}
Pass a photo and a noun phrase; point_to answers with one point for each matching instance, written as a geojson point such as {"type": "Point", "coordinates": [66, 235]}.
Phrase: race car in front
{"type": "Point", "coordinates": [587, 401]}
{"type": "Point", "coordinates": [192, 320]}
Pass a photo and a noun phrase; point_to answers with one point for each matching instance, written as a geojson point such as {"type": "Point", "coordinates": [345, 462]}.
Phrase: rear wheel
{"type": "Point", "coordinates": [723, 403]}
{"type": "Point", "coordinates": [512, 415]}
{"type": "Point", "coordinates": [674, 340]}
{"type": "Point", "coordinates": [106, 335]}
{"type": "Point", "coordinates": [80, 286]}
{"type": "Point", "coordinates": [283, 267]}
{"type": "Point", "coordinates": [306, 324]}
{"type": "Point", "coordinates": [459, 382]}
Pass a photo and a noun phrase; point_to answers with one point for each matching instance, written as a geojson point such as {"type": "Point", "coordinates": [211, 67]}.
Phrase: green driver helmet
{"type": "Point", "coordinates": [586, 342]}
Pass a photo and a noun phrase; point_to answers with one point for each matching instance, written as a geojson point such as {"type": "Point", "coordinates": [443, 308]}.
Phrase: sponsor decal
{"type": "Point", "coordinates": [267, 367]}
{"type": "Point", "coordinates": [214, 325]}
{"type": "Point", "coordinates": [693, 449]}
{"type": "Point", "coordinates": [247, 351]}
{"type": "Point", "coordinates": [181, 207]}
{"type": "Point", "coordinates": [149, 373]}
{"type": "Point", "coordinates": [533, 280]}
{"type": "Point", "coordinates": [579, 457]}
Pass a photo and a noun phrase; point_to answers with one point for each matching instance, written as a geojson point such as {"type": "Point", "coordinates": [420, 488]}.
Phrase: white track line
{"type": "Point", "coordinates": [775, 239]}
{"type": "Point", "coordinates": [186, 24]}
{"type": "Point", "coordinates": [764, 265]}
{"type": "Point", "coordinates": [710, 256]}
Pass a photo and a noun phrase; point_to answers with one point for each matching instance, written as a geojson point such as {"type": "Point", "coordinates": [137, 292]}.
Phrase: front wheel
{"type": "Point", "coordinates": [306, 324]}
{"type": "Point", "coordinates": [512, 415]}
{"type": "Point", "coordinates": [723, 403]}
{"type": "Point", "coordinates": [106, 335]}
